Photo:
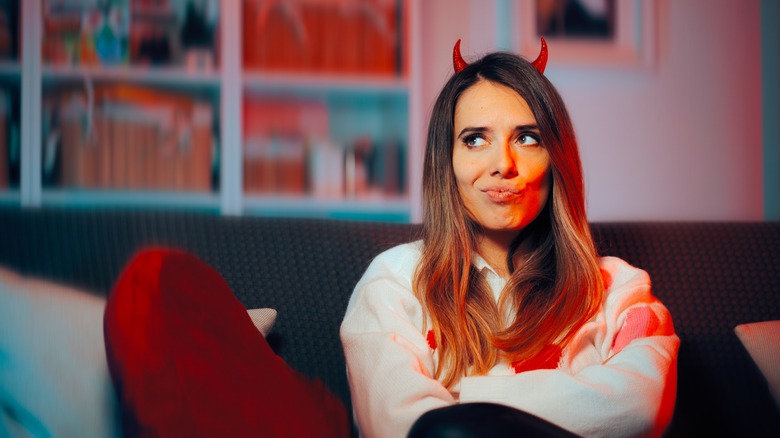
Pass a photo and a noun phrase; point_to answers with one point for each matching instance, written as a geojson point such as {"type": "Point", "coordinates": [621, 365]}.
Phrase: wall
{"type": "Point", "coordinates": [680, 140]}
{"type": "Point", "coordinates": [770, 70]}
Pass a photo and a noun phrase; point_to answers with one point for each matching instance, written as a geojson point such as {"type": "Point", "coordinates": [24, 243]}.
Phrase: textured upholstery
{"type": "Point", "coordinates": [712, 276]}
{"type": "Point", "coordinates": [305, 269]}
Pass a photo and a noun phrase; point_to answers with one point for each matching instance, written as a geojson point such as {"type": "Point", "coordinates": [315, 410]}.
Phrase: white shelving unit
{"type": "Point", "coordinates": [231, 83]}
{"type": "Point", "coordinates": [30, 168]}
{"type": "Point", "coordinates": [160, 76]}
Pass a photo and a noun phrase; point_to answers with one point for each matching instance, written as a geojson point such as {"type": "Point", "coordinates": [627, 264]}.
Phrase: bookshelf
{"type": "Point", "coordinates": [364, 114]}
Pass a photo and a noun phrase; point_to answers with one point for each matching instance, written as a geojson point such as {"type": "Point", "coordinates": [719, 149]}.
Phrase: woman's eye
{"type": "Point", "coordinates": [474, 140]}
{"type": "Point", "coordinates": [527, 140]}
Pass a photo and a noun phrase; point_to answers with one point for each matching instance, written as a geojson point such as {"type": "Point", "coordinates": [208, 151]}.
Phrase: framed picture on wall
{"type": "Point", "coordinates": [589, 32]}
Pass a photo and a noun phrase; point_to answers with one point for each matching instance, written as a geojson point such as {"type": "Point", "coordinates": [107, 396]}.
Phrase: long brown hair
{"type": "Point", "coordinates": [556, 290]}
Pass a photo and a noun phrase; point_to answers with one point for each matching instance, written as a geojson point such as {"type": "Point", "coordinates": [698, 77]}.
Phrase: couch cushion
{"type": "Point", "coordinates": [263, 319]}
{"type": "Point", "coordinates": [711, 277]}
{"type": "Point", "coordinates": [186, 359]}
{"type": "Point", "coordinates": [762, 341]}
{"type": "Point", "coordinates": [53, 375]}
{"type": "Point", "coordinates": [54, 380]}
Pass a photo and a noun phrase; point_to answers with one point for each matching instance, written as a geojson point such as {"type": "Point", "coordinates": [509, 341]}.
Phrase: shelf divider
{"type": "Point", "coordinates": [231, 114]}
{"type": "Point", "coordinates": [164, 76]}
{"type": "Point", "coordinates": [30, 172]}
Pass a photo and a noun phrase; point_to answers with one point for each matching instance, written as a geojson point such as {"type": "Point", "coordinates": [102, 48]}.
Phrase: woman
{"type": "Point", "coordinates": [504, 299]}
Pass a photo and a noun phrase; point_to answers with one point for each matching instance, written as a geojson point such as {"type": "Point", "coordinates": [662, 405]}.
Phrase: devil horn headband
{"type": "Point", "coordinates": [459, 64]}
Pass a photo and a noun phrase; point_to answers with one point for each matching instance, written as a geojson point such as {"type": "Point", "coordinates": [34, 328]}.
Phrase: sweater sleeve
{"type": "Point", "coordinates": [616, 378]}
{"type": "Point", "coordinates": [389, 362]}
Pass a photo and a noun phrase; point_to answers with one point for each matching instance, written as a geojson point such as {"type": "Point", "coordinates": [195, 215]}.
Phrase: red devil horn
{"type": "Point", "coordinates": [541, 61]}
{"type": "Point", "coordinates": [457, 60]}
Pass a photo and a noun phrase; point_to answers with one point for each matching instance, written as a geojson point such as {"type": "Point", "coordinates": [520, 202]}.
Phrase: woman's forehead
{"type": "Point", "coordinates": [486, 102]}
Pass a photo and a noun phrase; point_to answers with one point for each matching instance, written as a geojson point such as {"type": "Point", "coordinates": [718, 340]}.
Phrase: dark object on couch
{"type": "Point", "coordinates": [711, 276]}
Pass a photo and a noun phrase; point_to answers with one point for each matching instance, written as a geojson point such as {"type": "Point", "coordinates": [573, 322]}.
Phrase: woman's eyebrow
{"type": "Point", "coordinates": [483, 129]}
{"type": "Point", "coordinates": [473, 130]}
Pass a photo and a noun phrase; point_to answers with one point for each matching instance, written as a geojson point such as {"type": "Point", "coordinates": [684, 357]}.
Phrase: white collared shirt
{"type": "Point", "coordinates": [595, 391]}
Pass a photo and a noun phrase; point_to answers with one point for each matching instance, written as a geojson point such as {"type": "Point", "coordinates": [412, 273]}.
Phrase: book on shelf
{"type": "Point", "coordinates": [137, 139]}
{"type": "Point", "coordinates": [86, 32]}
{"type": "Point", "coordinates": [345, 37]}
{"type": "Point", "coordinates": [120, 32]}
{"type": "Point", "coordinates": [277, 132]}
{"type": "Point", "coordinates": [374, 169]}
{"type": "Point", "coordinates": [153, 37]}
{"type": "Point", "coordinates": [9, 29]}
{"type": "Point", "coordinates": [288, 149]}
{"type": "Point", "coordinates": [275, 165]}
{"type": "Point", "coordinates": [326, 170]}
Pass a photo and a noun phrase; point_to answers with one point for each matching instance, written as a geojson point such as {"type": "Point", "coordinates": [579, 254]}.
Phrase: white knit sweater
{"type": "Point", "coordinates": [616, 378]}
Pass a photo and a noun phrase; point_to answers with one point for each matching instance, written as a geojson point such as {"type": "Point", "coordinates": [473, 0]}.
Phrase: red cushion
{"type": "Point", "coordinates": [186, 359]}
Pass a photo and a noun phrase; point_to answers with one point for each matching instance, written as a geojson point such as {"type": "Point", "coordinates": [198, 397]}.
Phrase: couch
{"type": "Point", "coordinates": [712, 276]}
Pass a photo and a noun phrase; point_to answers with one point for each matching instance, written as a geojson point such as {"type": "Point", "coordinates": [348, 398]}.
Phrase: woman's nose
{"type": "Point", "coordinates": [503, 164]}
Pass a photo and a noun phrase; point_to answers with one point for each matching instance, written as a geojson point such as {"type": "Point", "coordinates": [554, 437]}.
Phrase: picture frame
{"type": "Point", "coordinates": [631, 41]}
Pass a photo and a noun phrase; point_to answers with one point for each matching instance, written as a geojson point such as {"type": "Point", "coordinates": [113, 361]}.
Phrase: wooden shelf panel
{"type": "Point", "coordinates": [384, 208]}
{"type": "Point", "coordinates": [261, 81]}
{"type": "Point", "coordinates": [10, 69]}
{"type": "Point", "coordinates": [119, 198]}
{"type": "Point", "coordinates": [162, 76]}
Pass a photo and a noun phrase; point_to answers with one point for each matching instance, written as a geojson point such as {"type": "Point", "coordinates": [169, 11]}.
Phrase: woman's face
{"type": "Point", "coordinates": [502, 171]}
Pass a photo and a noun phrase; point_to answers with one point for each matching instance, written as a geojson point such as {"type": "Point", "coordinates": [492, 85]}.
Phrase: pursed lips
{"type": "Point", "coordinates": [501, 194]}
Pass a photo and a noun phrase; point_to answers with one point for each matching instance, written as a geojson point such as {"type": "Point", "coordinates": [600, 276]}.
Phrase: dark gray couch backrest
{"type": "Point", "coordinates": [712, 276]}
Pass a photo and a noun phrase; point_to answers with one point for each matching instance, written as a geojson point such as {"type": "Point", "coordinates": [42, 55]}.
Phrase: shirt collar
{"type": "Point", "coordinates": [481, 264]}
{"type": "Point", "coordinates": [495, 281]}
